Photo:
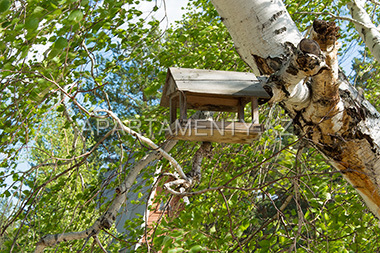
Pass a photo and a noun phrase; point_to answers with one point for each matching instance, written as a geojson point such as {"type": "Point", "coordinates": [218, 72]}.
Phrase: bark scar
{"type": "Point", "coordinates": [327, 33]}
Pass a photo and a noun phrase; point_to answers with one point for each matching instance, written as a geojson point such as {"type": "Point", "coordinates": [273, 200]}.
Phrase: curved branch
{"type": "Point", "coordinates": [172, 161]}
{"type": "Point", "coordinates": [368, 32]}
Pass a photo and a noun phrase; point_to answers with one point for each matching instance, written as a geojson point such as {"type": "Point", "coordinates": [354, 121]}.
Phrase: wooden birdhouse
{"type": "Point", "coordinates": [210, 90]}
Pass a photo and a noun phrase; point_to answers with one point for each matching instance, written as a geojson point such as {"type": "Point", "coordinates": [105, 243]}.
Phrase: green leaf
{"type": "Point", "coordinates": [24, 52]}
{"type": "Point", "coordinates": [175, 250]}
{"type": "Point", "coordinates": [7, 194]}
{"type": "Point", "coordinates": [54, 52]}
{"type": "Point", "coordinates": [31, 24]}
{"type": "Point", "coordinates": [196, 248]}
{"type": "Point", "coordinates": [84, 2]}
{"type": "Point", "coordinates": [39, 11]}
{"type": "Point", "coordinates": [76, 16]}
{"type": "Point", "coordinates": [60, 108]}
{"type": "Point", "coordinates": [61, 43]}
{"type": "Point", "coordinates": [4, 5]}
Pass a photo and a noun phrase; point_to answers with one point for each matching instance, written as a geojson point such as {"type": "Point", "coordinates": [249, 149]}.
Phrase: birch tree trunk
{"type": "Point", "coordinates": [304, 77]}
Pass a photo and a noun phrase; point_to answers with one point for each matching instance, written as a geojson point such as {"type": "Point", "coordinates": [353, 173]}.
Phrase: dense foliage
{"type": "Point", "coordinates": [279, 194]}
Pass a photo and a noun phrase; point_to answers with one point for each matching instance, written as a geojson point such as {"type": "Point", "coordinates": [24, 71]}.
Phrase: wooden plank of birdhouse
{"type": "Point", "coordinates": [207, 102]}
{"type": "Point", "coordinates": [182, 106]}
{"type": "Point", "coordinates": [205, 74]}
{"type": "Point", "coordinates": [255, 111]}
{"type": "Point", "coordinates": [171, 87]}
{"type": "Point", "coordinates": [215, 131]}
{"type": "Point", "coordinates": [231, 88]}
{"type": "Point", "coordinates": [168, 90]}
{"type": "Point", "coordinates": [173, 109]}
{"type": "Point", "coordinates": [211, 103]}
{"type": "Point", "coordinates": [240, 110]}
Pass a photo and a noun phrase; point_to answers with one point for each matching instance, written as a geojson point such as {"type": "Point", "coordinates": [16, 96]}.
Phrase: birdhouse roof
{"type": "Point", "coordinates": [212, 82]}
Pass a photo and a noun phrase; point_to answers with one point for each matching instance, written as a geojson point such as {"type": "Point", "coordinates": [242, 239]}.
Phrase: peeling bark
{"type": "Point", "coordinates": [306, 81]}
{"type": "Point", "coordinates": [335, 119]}
{"type": "Point", "coordinates": [261, 29]}
{"type": "Point", "coordinates": [288, 83]}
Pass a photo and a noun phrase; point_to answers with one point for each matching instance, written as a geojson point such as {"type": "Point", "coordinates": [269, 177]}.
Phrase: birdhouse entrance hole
{"type": "Point", "coordinates": [221, 91]}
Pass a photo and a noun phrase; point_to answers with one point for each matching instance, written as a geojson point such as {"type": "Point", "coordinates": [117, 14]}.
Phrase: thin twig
{"type": "Point", "coordinates": [52, 179]}
{"type": "Point", "coordinates": [297, 194]}
{"type": "Point", "coordinates": [230, 219]}
{"type": "Point", "coordinates": [68, 95]}
{"type": "Point", "coordinates": [92, 62]}
{"type": "Point", "coordinates": [146, 140]}
{"type": "Point", "coordinates": [84, 244]}
{"type": "Point", "coordinates": [108, 217]}
{"type": "Point", "coordinates": [248, 189]}
{"type": "Point", "coordinates": [268, 221]}
{"type": "Point", "coordinates": [99, 243]}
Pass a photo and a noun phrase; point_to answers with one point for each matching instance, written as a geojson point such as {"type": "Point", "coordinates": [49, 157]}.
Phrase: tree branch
{"type": "Point", "coordinates": [268, 221]}
{"type": "Point", "coordinates": [194, 175]}
{"type": "Point", "coordinates": [368, 31]}
{"type": "Point", "coordinates": [288, 83]}
{"type": "Point", "coordinates": [108, 218]}
{"type": "Point", "coordinates": [99, 243]}
{"type": "Point", "coordinates": [245, 22]}
{"type": "Point", "coordinates": [66, 94]}
{"type": "Point", "coordinates": [172, 161]}
{"type": "Point", "coordinates": [230, 219]}
{"type": "Point", "coordinates": [204, 150]}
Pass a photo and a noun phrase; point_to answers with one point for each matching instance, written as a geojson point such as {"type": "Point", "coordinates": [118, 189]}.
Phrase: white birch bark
{"type": "Point", "coordinates": [246, 19]}
{"type": "Point", "coordinates": [366, 29]}
{"type": "Point", "coordinates": [261, 29]}
{"type": "Point", "coordinates": [339, 122]}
